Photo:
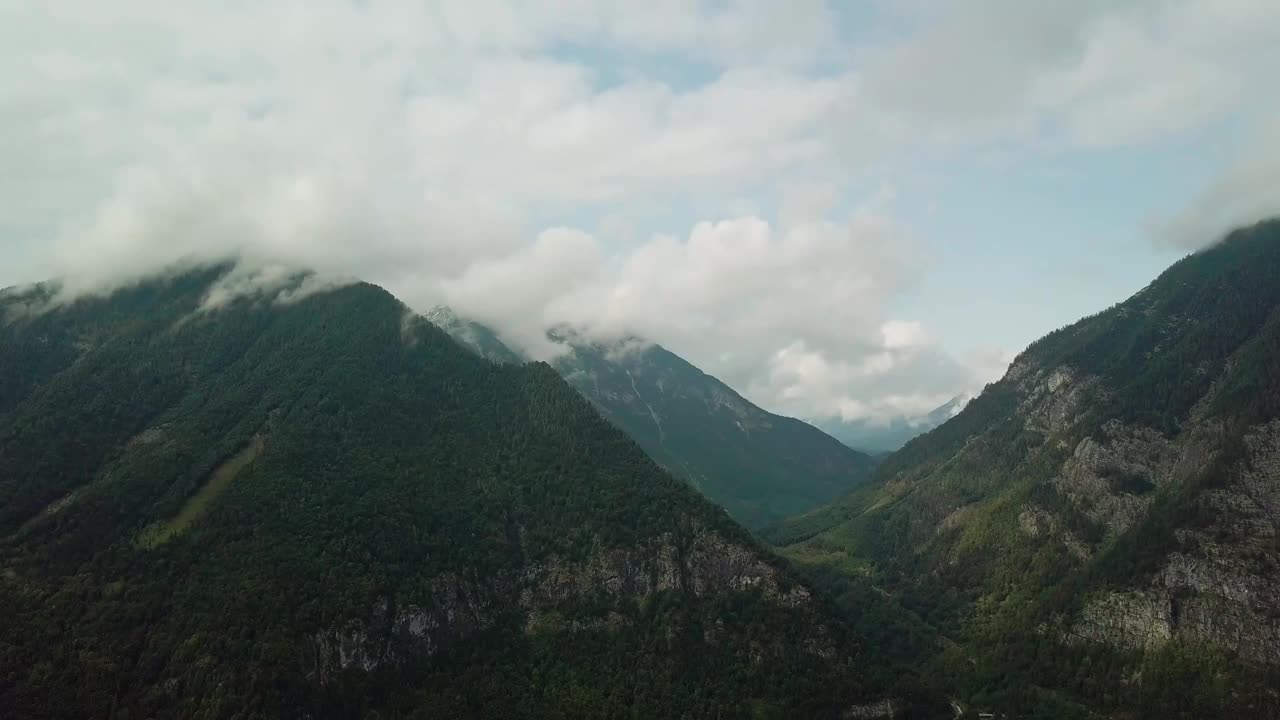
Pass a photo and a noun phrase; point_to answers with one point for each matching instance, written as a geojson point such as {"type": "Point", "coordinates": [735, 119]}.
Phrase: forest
{"type": "Point", "coordinates": [328, 508]}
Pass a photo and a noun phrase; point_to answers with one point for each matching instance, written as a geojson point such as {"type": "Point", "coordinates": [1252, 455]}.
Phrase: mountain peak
{"type": "Point", "coordinates": [760, 466]}
{"type": "Point", "coordinates": [1114, 497]}
{"type": "Point", "coordinates": [323, 508]}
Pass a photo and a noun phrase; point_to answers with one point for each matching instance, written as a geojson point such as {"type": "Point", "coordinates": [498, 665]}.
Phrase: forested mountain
{"type": "Point", "coordinates": [284, 506]}
{"type": "Point", "coordinates": [760, 466]}
{"type": "Point", "coordinates": [474, 336]}
{"type": "Point", "coordinates": [1098, 531]}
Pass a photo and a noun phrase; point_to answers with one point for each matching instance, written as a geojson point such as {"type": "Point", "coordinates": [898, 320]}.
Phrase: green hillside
{"type": "Point", "coordinates": [328, 508]}
{"type": "Point", "coordinates": [759, 466]}
{"type": "Point", "coordinates": [1097, 532]}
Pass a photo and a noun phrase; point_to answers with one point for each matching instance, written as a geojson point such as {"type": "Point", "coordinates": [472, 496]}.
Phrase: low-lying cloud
{"type": "Point", "coordinates": [611, 165]}
{"type": "Point", "coordinates": [1248, 190]}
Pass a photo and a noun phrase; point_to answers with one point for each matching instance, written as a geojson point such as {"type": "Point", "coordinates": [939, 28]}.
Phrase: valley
{"type": "Point", "coordinates": [613, 360]}
{"type": "Point", "coordinates": [380, 515]}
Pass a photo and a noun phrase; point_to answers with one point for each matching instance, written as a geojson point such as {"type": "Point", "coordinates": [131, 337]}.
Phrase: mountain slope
{"type": "Point", "coordinates": [761, 467]}
{"type": "Point", "coordinates": [478, 338]}
{"type": "Point", "coordinates": [327, 508]}
{"type": "Point", "coordinates": [1099, 527]}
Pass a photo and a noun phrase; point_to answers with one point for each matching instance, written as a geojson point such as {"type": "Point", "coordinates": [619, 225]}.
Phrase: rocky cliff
{"type": "Point", "coordinates": [1115, 491]}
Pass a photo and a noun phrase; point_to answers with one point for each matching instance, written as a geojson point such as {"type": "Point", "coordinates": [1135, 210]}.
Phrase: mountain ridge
{"type": "Point", "coordinates": [329, 508]}
{"type": "Point", "coordinates": [759, 465]}
{"type": "Point", "coordinates": [1113, 496]}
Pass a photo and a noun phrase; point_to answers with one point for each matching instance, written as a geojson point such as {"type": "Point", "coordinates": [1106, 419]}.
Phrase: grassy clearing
{"type": "Point", "coordinates": [158, 533]}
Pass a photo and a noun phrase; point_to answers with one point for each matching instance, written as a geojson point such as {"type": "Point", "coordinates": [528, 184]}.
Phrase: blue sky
{"type": "Point", "coordinates": [844, 210]}
{"type": "Point", "coordinates": [1018, 251]}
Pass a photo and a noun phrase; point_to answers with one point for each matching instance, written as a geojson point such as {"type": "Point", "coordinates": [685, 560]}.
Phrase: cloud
{"type": "Point", "coordinates": [1092, 73]}
{"type": "Point", "coordinates": [515, 293]}
{"type": "Point", "coordinates": [899, 334]}
{"type": "Point", "coordinates": [278, 284]}
{"type": "Point", "coordinates": [801, 307]}
{"type": "Point", "coordinates": [885, 383]}
{"type": "Point", "coordinates": [615, 165]}
{"type": "Point", "coordinates": [371, 137]}
{"type": "Point", "coordinates": [1246, 191]}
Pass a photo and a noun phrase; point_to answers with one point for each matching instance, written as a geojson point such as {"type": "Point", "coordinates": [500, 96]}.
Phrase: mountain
{"type": "Point", "coordinates": [322, 506]}
{"type": "Point", "coordinates": [761, 467]}
{"type": "Point", "coordinates": [1098, 531]}
{"type": "Point", "coordinates": [879, 437]}
{"type": "Point", "coordinates": [478, 338]}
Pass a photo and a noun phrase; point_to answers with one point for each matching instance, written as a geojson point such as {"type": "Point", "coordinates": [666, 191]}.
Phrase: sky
{"type": "Point", "coordinates": [842, 209]}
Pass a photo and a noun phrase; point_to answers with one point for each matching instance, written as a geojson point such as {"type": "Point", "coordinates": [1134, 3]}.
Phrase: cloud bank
{"type": "Point", "coordinates": [710, 175]}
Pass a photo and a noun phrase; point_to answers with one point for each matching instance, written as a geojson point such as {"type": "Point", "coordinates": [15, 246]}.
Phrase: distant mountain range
{"type": "Point", "coordinates": [325, 507]}
{"type": "Point", "coordinates": [882, 437]}
{"type": "Point", "coordinates": [1098, 533]}
{"type": "Point", "coordinates": [760, 466]}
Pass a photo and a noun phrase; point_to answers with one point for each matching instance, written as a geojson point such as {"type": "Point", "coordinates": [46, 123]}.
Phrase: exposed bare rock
{"type": "Point", "coordinates": [700, 563]}
{"type": "Point", "coordinates": [1136, 620]}
{"type": "Point", "coordinates": [706, 564]}
{"type": "Point", "coordinates": [1054, 398]}
{"type": "Point", "coordinates": [1261, 480]}
{"type": "Point", "coordinates": [453, 610]}
{"type": "Point", "coordinates": [872, 711]}
{"type": "Point", "coordinates": [1220, 586]}
{"type": "Point", "coordinates": [956, 518]}
{"type": "Point", "coordinates": [1035, 522]}
{"type": "Point", "coordinates": [552, 622]}
{"type": "Point", "coordinates": [1112, 480]}
{"type": "Point", "coordinates": [715, 565]}
{"type": "Point", "coordinates": [635, 572]}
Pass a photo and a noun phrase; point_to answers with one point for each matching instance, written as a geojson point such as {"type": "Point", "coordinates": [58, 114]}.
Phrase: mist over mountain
{"type": "Point", "coordinates": [602, 359]}
{"type": "Point", "coordinates": [887, 436]}
{"type": "Point", "coordinates": [269, 505]}
{"type": "Point", "coordinates": [760, 466]}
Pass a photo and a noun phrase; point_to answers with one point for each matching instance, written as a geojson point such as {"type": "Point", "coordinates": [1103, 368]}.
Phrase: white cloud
{"type": "Point", "coordinates": [1092, 72]}
{"type": "Point", "coordinates": [1246, 191]}
{"type": "Point", "coordinates": [515, 293]}
{"type": "Point", "coordinates": [449, 149]}
{"type": "Point", "coordinates": [800, 307]}
{"type": "Point", "coordinates": [902, 334]}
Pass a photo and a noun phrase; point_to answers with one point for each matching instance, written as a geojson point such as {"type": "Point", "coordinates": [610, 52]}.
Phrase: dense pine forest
{"type": "Point", "coordinates": [325, 507]}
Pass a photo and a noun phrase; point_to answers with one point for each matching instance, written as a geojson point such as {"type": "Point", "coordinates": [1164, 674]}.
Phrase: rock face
{"type": "Point", "coordinates": [1037, 523]}
{"type": "Point", "coordinates": [1131, 620]}
{"type": "Point", "coordinates": [702, 564]}
{"type": "Point", "coordinates": [1220, 585]}
{"type": "Point", "coordinates": [453, 609]}
{"type": "Point", "coordinates": [872, 711]}
{"type": "Point", "coordinates": [1117, 489]}
{"type": "Point", "coordinates": [1053, 398]}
